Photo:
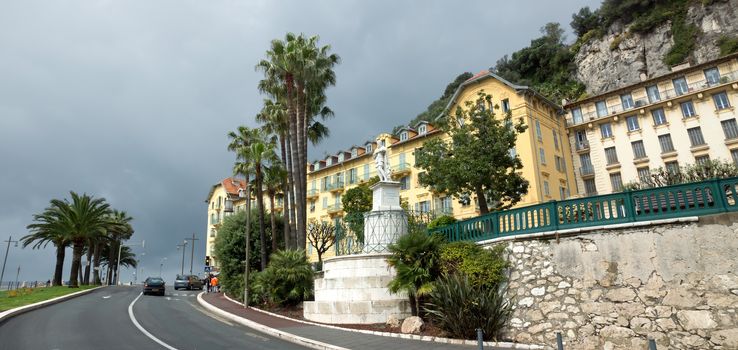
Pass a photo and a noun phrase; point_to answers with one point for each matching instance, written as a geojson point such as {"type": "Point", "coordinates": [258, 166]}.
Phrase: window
{"type": "Point", "coordinates": [617, 182]}
{"type": "Point", "coordinates": [576, 115]}
{"type": "Point", "coordinates": [659, 118]}
{"type": "Point", "coordinates": [680, 86]}
{"type": "Point", "coordinates": [606, 130]}
{"type": "Point", "coordinates": [712, 76]}
{"type": "Point", "coordinates": [632, 122]}
{"type": "Point", "coordinates": [601, 108]}
{"type": "Point", "coordinates": [730, 128]}
{"type": "Point", "coordinates": [405, 182]}
{"type": "Point", "coordinates": [423, 207]}
{"type": "Point", "coordinates": [543, 156]}
{"type": "Point", "coordinates": [366, 172]}
{"type": "Point", "coordinates": [329, 161]}
{"type": "Point", "coordinates": [695, 136]}
{"type": "Point", "coordinates": [611, 155]}
{"type": "Point", "coordinates": [312, 184]}
{"type": "Point", "coordinates": [546, 189]}
{"type": "Point", "coordinates": [312, 206]}
{"type": "Point", "coordinates": [317, 165]}
{"type": "Point", "coordinates": [340, 157]}
{"type": "Point", "coordinates": [560, 166]}
{"type": "Point", "coordinates": [702, 160]}
{"type": "Point", "coordinates": [644, 174]}
{"type": "Point", "coordinates": [403, 136]}
{"type": "Point", "coordinates": [538, 130]}
{"type": "Point", "coordinates": [721, 100]}
{"type": "Point", "coordinates": [586, 160]}
{"type": "Point", "coordinates": [638, 150]}
{"type": "Point", "coordinates": [562, 192]}
{"type": "Point", "coordinates": [556, 140]}
{"type": "Point", "coordinates": [513, 153]}
{"type": "Point", "coordinates": [505, 106]}
{"type": "Point", "coordinates": [627, 101]}
{"type": "Point", "coordinates": [352, 176]}
{"type": "Point", "coordinates": [688, 109]}
{"type": "Point", "coordinates": [589, 187]}
{"type": "Point", "coordinates": [422, 129]}
{"type": "Point", "coordinates": [666, 144]}
{"type": "Point", "coordinates": [402, 161]}
{"type": "Point", "coordinates": [734, 155]}
{"type": "Point", "coordinates": [368, 148]}
{"type": "Point", "coordinates": [325, 202]}
{"type": "Point", "coordinates": [653, 93]}
{"type": "Point", "coordinates": [445, 205]}
{"type": "Point", "coordinates": [672, 167]}
{"type": "Point", "coordinates": [354, 152]}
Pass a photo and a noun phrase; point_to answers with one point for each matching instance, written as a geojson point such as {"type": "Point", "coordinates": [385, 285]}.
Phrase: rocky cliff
{"type": "Point", "coordinates": [620, 57]}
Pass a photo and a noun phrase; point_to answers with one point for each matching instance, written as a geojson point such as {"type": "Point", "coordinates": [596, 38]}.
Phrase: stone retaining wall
{"type": "Point", "coordinates": [614, 289]}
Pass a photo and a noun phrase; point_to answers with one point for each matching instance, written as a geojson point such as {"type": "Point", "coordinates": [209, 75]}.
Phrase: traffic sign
{"type": "Point", "coordinates": [207, 268]}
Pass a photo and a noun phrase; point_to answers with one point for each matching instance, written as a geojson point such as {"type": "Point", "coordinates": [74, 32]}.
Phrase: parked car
{"type": "Point", "coordinates": [187, 282]}
{"type": "Point", "coordinates": [154, 285]}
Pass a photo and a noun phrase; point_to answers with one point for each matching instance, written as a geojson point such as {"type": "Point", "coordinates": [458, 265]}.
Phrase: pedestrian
{"type": "Point", "coordinates": [214, 283]}
{"type": "Point", "coordinates": [207, 282]}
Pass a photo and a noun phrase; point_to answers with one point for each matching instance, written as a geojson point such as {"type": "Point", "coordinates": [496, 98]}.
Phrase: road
{"type": "Point", "coordinates": [101, 320]}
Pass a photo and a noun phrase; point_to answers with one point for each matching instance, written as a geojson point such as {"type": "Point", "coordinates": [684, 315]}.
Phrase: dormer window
{"type": "Point", "coordinates": [317, 165]}
{"type": "Point", "coordinates": [403, 136]}
{"type": "Point", "coordinates": [421, 129]}
{"type": "Point", "coordinates": [340, 157]}
{"type": "Point", "coordinates": [368, 148]}
{"type": "Point", "coordinates": [354, 153]}
{"type": "Point", "coordinates": [328, 161]}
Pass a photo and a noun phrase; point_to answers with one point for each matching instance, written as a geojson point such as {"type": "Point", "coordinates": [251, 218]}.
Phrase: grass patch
{"type": "Point", "coordinates": [25, 296]}
{"type": "Point", "coordinates": [728, 44]}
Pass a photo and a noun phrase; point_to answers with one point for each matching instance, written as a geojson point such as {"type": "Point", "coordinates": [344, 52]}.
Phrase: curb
{"type": "Point", "coordinates": [7, 314]}
{"type": "Point", "coordinates": [497, 345]}
{"type": "Point", "coordinates": [313, 344]}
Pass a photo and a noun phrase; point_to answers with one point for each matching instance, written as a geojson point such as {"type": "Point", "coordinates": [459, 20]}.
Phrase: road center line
{"type": "Point", "coordinates": [143, 330]}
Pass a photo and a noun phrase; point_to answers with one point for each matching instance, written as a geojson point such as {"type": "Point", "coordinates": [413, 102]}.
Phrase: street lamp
{"type": "Point", "coordinates": [184, 248]}
{"type": "Point", "coordinates": [117, 268]}
{"type": "Point", "coordinates": [7, 250]}
{"type": "Point", "coordinates": [161, 265]}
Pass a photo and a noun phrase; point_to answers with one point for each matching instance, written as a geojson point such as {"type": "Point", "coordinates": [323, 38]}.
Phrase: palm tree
{"type": "Point", "coordinates": [86, 217]}
{"type": "Point", "coordinates": [118, 229]}
{"type": "Point", "coordinates": [48, 227]}
{"type": "Point", "coordinates": [297, 71]}
{"type": "Point", "coordinates": [275, 176]}
{"type": "Point", "coordinates": [127, 257]}
{"type": "Point", "coordinates": [261, 154]}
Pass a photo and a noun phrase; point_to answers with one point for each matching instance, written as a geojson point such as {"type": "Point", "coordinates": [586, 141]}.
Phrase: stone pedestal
{"type": "Point", "coordinates": [353, 289]}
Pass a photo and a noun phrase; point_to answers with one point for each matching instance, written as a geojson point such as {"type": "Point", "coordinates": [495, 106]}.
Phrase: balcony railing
{"type": "Point", "coordinates": [667, 94]}
{"type": "Point", "coordinates": [335, 186]}
{"type": "Point", "coordinates": [690, 199]}
{"type": "Point", "coordinates": [401, 168]}
{"type": "Point", "coordinates": [334, 208]}
{"type": "Point", "coordinates": [312, 193]}
{"type": "Point", "coordinates": [586, 170]}
{"type": "Point", "coordinates": [582, 145]}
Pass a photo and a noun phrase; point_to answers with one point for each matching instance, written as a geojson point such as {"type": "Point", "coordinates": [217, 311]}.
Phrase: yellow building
{"type": "Point", "coordinates": [543, 149]}
{"type": "Point", "coordinates": [684, 117]}
{"type": "Point", "coordinates": [223, 200]}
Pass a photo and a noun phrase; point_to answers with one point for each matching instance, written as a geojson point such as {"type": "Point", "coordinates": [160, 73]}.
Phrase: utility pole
{"type": "Point", "coordinates": [7, 250]}
{"type": "Point", "coordinates": [16, 276]}
{"type": "Point", "coordinates": [184, 246]}
{"type": "Point", "coordinates": [192, 255]}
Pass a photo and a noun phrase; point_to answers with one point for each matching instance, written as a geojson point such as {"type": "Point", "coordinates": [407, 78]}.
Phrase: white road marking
{"type": "Point", "coordinates": [168, 298]}
{"type": "Point", "coordinates": [106, 297]}
{"type": "Point", "coordinates": [257, 336]}
{"type": "Point", "coordinates": [143, 330]}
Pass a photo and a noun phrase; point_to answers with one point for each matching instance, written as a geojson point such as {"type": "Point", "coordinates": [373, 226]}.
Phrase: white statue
{"type": "Point", "coordinates": [380, 160]}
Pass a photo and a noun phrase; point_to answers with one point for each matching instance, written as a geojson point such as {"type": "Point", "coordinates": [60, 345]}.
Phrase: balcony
{"type": "Point", "coordinates": [312, 193]}
{"type": "Point", "coordinates": [401, 169]}
{"type": "Point", "coordinates": [586, 171]}
{"type": "Point", "coordinates": [334, 209]}
{"type": "Point", "coordinates": [582, 146]}
{"type": "Point", "coordinates": [664, 95]}
{"type": "Point", "coordinates": [335, 186]}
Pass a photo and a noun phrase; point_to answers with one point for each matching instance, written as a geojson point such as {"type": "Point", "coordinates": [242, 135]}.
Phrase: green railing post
{"type": "Point", "coordinates": [629, 207]}
{"type": "Point", "coordinates": [553, 215]}
{"type": "Point", "coordinates": [720, 194]}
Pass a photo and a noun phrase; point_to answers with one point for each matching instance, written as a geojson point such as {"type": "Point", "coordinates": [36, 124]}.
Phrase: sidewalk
{"type": "Point", "coordinates": [340, 338]}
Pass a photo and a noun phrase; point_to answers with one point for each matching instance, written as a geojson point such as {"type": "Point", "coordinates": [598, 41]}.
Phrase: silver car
{"type": "Point", "coordinates": [187, 282]}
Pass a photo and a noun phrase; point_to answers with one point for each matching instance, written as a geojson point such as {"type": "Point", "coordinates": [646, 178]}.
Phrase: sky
{"type": "Point", "coordinates": [132, 100]}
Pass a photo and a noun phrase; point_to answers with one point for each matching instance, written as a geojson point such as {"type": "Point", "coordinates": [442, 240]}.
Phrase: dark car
{"type": "Point", "coordinates": [154, 285]}
{"type": "Point", "coordinates": [187, 282]}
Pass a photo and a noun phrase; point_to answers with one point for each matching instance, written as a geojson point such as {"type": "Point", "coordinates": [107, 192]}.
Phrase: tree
{"type": "Point", "coordinates": [274, 177]}
{"type": "Point", "coordinates": [230, 248]}
{"type": "Point", "coordinates": [261, 154]}
{"type": "Point", "coordinates": [298, 72]}
{"type": "Point", "coordinates": [357, 201]}
{"type": "Point", "coordinates": [477, 159]}
{"type": "Point", "coordinates": [48, 227]}
{"type": "Point", "coordinates": [119, 229]}
{"type": "Point", "coordinates": [322, 236]}
{"type": "Point", "coordinates": [584, 21]}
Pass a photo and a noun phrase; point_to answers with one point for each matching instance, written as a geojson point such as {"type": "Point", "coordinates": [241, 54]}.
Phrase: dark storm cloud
{"type": "Point", "coordinates": [132, 100]}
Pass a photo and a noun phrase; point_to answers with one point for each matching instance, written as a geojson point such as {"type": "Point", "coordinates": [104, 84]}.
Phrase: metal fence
{"type": "Point", "coordinates": [689, 199]}
{"type": "Point", "coordinates": [13, 285]}
{"type": "Point", "coordinates": [350, 230]}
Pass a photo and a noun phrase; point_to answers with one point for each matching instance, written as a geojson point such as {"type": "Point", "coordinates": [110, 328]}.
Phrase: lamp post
{"type": "Point", "coordinates": [192, 256]}
{"type": "Point", "coordinates": [161, 265]}
{"type": "Point", "coordinates": [7, 250]}
{"type": "Point", "coordinates": [184, 246]}
{"type": "Point", "coordinates": [117, 268]}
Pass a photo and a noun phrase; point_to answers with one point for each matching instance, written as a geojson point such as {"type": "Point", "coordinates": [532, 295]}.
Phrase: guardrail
{"type": "Point", "coordinates": [689, 199]}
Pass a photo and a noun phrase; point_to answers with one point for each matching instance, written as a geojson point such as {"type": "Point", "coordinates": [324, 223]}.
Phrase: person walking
{"type": "Point", "coordinates": [207, 282]}
{"type": "Point", "coordinates": [214, 282]}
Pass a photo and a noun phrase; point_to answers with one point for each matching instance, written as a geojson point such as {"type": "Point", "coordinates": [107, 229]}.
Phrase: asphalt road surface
{"type": "Point", "coordinates": [101, 320]}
